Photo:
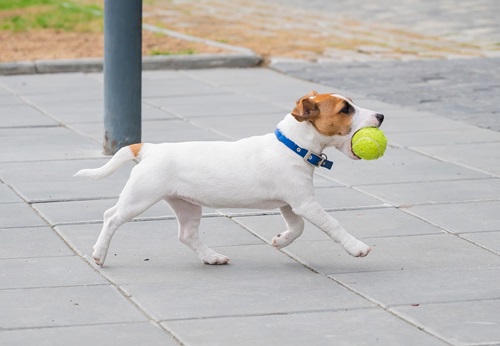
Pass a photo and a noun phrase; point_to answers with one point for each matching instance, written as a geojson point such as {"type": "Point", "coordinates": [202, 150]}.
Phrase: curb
{"type": "Point", "coordinates": [178, 62]}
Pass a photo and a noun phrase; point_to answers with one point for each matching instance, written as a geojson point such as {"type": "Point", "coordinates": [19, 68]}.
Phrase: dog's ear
{"type": "Point", "coordinates": [305, 110]}
{"type": "Point", "coordinates": [311, 93]}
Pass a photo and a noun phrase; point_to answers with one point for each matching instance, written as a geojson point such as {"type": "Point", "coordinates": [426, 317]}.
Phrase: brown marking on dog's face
{"type": "Point", "coordinates": [135, 148]}
{"type": "Point", "coordinates": [330, 115]}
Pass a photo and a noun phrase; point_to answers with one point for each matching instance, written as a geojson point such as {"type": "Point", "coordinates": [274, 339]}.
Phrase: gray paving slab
{"type": "Point", "coordinates": [31, 242]}
{"type": "Point", "coordinates": [395, 253]}
{"type": "Point", "coordinates": [407, 194]}
{"type": "Point", "coordinates": [7, 195]}
{"type": "Point", "coordinates": [67, 84]}
{"type": "Point", "coordinates": [228, 104]}
{"type": "Point", "coordinates": [65, 306]}
{"type": "Point", "coordinates": [312, 328]}
{"type": "Point", "coordinates": [47, 143]}
{"type": "Point", "coordinates": [460, 323]}
{"type": "Point", "coordinates": [461, 217]}
{"type": "Point", "coordinates": [54, 181]}
{"type": "Point", "coordinates": [35, 272]}
{"type": "Point", "coordinates": [483, 156]}
{"type": "Point", "coordinates": [488, 240]}
{"type": "Point", "coordinates": [19, 215]}
{"type": "Point", "coordinates": [125, 334]}
{"type": "Point", "coordinates": [24, 115]}
{"type": "Point", "coordinates": [418, 286]}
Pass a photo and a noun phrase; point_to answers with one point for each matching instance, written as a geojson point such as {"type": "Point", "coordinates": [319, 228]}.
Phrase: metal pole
{"type": "Point", "coordinates": [122, 73]}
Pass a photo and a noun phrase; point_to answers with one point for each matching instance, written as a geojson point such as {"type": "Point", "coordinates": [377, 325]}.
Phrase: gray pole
{"type": "Point", "coordinates": [122, 73]}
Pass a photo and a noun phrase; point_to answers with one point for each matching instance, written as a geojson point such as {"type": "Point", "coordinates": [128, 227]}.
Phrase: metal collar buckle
{"type": "Point", "coordinates": [321, 158]}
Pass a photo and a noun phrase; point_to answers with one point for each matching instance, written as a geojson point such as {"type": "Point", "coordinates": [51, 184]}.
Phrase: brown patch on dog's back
{"type": "Point", "coordinates": [135, 148]}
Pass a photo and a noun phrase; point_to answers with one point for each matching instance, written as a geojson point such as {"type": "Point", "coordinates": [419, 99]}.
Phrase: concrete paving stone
{"type": "Point", "coordinates": [321, 181]}
{"type": "Point", "coordinates": [90, 210]}
{"type": "Point", "coordinates": [47, 272]}
{"type": "Point", "coordinates": [215, 105]}
{"type": "Point", "coordinates": [180, 131]}
{"type": "Point", "coordinates": [398, 165]}
{"type": "Point", "coordinates": [241, 290]}
{"type": "Point", "coordinates": [156, 241]}
{"type": "Point", "coordinates": [7, 195]}
{"type": "Point", "coordinates": [422, 123]}
{"type": "Point", "coordinates": [175, 87]}
{"type": "Point", "coordinates": [124, 334]}
{"type": "Point", "coordinates": [19, 215]}
{"type": "Point", "coordinates": [31, 242]}
{"type": "Point", "coordinates": [65, 306]}
{"type": "Point", "coordinates": [483, 156]}
{"type": "Point", "coordinates": [344, 197]}
{"type": "Point", "coordinates": [157, 131]}
{"type": "Point", "coordinates": [395, 253]}
{"type": "Point", "coordinates": [435, 138]}
{"type": "Point", "coordinates": [23, 116]}
{"type": "Point", "coordinates": [57, 83]}
{"type": "Point", "coordinates": [460, 323]}
{"type": "Point", "coordinates": [407, 194]}
{"type": "Point", "coordinates": [54, 181]}
{"type": "Point", "coordinates": [10, 100]}
{"type": "Point", "coordinates": [52, 143]}
{"type": "Point", "coordinates": [68, 96]}
{"type": "Point", "coordinates": [364, 223]}
{"type": "Point", "coordinates": [228, 77]}
{"type": "Point", "coordinates": [461, 217]}
{"type": "Point", "coordinates": [488, 240]}
{"type": "Point", "coordinates": [241, 126]}
{"type": "Point", "coordinates": [313, 328]}
{"type": "Point", "coordinates": [430, 285]}
{"type": "Point", "coordinates": [153, 75]}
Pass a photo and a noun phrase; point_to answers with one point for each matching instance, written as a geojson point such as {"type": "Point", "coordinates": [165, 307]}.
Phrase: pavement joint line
{"type": "Point", "coordinates": [296, 312]}
{"type": "Point", "coordinates": [50, 287]}
{"type": "Point", "coordinates": [484, 247]}
{"type": "Point", "coordinates": [448, 231]}
{"type": "Point", "coordinates": [442, 159]}
{"type": "Point", "coordinates": [74, 325]}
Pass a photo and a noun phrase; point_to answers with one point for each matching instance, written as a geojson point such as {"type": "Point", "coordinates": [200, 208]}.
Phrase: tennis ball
{"type": "Point", "coordinates": [369, 143]}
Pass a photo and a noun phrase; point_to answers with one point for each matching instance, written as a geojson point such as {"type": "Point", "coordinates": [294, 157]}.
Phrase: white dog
{"type": "Point", "coordinates": [265, 172]}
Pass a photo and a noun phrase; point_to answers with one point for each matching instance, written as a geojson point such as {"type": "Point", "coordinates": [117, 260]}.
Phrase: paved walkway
{"type": "Point", "coordinates": [429, 208]}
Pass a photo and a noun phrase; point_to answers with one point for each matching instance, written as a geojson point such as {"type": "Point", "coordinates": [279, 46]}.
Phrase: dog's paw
{"type": "Point", "coordinates": [356, 248]}
{"type": "Point", "coordinates": [98, 255]}
{"type": "Point", "coordinates": [281, 240]}
{"type": "Point", "coordinates": [212, 257]}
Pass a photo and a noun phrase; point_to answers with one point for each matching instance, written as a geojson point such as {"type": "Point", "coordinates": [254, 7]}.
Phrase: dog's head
{"type": "Point", "coordinates": [335, 117]}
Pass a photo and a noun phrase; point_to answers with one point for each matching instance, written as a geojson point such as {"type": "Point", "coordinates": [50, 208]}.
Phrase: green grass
{"type": "Point", "coordinates": [23, 15]}
{"type": "Point", "coordinates": [187, 51]}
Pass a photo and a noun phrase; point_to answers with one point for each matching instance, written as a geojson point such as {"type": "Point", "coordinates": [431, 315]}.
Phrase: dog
{"type": "Point", "coordinates": [265, 172]}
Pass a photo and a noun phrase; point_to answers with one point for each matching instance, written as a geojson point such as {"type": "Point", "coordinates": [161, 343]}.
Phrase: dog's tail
{"type": "Point", "coordinates": [123, 155]}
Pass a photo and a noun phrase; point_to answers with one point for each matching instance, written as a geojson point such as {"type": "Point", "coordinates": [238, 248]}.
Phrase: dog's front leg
{"type": "Point", "coordinates": [295, 227]}
{"type": "Point", "coordinates": [314, 213]}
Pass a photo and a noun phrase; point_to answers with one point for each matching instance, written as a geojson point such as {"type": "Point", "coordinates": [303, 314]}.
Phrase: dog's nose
{"type": "Point", "coordinates": [380, 118]}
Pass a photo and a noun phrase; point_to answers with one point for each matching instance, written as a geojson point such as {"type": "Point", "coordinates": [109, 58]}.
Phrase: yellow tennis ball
{"type": "Point", "coordinates": [369, 143]}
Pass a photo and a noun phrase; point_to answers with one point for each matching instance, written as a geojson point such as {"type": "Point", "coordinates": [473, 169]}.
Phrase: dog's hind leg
{"type": "Point", "coordinates": [189, 217]}
{"type": "Point", "coordinates": [135, 198]}
{"type": "Point", "coordinates": [295, 225]}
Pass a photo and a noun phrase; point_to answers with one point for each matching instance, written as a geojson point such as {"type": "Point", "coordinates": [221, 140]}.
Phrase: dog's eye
{"type": "Point", "coordinates": [347, 109]}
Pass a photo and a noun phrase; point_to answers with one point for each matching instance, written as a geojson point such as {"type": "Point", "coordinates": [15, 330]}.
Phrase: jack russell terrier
{"type": "Point", "coordinates": [265, 172]}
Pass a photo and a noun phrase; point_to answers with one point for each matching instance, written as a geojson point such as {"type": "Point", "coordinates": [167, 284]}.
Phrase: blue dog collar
{"type": "Point", "coordinates": [317, 160]}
